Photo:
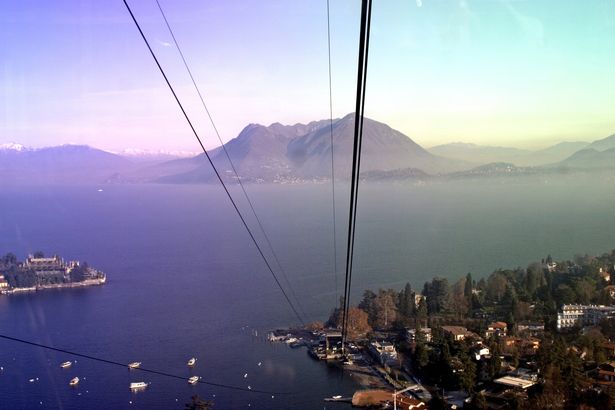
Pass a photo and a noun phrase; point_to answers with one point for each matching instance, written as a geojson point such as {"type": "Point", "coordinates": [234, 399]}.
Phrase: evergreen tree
{"type": "Point", "coordinates": [467, 290]}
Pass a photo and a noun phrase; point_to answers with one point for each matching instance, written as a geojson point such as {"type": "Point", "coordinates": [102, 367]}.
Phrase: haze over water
{"type": "Point", "coordinates": [184, 280]}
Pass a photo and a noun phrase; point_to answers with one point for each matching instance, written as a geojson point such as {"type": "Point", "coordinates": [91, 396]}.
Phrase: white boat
{"type": "Point", "coordinates": [74, 381]}
{"type": "Point", "coordinates": [194, 379]}
{"type": "Point", "coordinates": [134, 365]}
{"type": "Point", "coordinates": [66, 365]}
{"type": "Point", "coordinates": [336, 397]}
{"type": "Point", "coordinates": [192, 362]}
{"type": "Point", "coordinates": [138, 385]}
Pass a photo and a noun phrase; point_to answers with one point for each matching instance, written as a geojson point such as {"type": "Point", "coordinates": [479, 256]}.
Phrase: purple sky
{"type": "Point", "coordinates": [492, 72]}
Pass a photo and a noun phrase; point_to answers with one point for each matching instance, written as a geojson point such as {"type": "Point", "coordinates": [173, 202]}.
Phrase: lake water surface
{"type": "Point", "coordinates": [184, 279]}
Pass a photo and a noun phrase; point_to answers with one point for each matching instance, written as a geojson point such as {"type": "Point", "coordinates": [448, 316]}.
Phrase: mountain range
{"type": "Point", "coordinates": [296, 153]}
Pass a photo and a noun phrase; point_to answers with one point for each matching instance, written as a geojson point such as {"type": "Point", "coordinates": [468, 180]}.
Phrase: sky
{"type": "Point", "coordinates": [523, 73]}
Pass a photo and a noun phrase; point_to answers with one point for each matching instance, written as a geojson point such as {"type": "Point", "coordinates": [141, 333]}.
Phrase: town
{"type": "Point", "coordinates": [532, 338]}
{"type": "Point", "coordinates": [38, 272]}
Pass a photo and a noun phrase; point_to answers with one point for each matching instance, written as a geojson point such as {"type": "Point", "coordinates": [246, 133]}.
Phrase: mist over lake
{"type": "Point", "coordinates": [184, 279]}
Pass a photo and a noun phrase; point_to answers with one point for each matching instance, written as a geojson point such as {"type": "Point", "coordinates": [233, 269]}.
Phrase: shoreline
{"type": "Point", "coordinates": [81, 284]}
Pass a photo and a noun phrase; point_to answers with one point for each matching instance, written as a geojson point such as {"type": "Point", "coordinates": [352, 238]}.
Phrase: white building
{"type": "Point", "coordinates": [583, 315]}
{"type": "Point", "coordinates": [385, 352]}
{"type": "Point", "coordinates": [425, 331]}
{"type": "Point", "coordinates": [480, 351]}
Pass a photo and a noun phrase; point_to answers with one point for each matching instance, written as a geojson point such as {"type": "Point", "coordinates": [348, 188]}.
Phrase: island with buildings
{"type": "Point", "coordinates": [524, 338]}
{"type": "Point", "coordinates": [38, 272]}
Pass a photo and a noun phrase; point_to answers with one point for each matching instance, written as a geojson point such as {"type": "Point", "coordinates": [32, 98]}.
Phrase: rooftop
{"type": "Point", "coordinates": [515, 382]}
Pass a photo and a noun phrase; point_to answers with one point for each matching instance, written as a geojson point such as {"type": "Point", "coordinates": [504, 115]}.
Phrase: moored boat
{"type": "Point", "coordinates": [74, 381]}
{"type": "Point", "coordinates": [66, 365]}
{"type": "Point", "coordinates": [134, 365]}
{"type": "Point", "coordinates": [191, 362]}
{"type": "Point", "coordinates": [138, 385]}
{"type": "Point", "coordinates": [194, 379]}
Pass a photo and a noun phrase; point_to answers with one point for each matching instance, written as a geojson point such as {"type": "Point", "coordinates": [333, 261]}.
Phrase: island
{"type": "Point", "coordinates": [536, 337]}
{"type": "Point", "coordinates": [38, 272]}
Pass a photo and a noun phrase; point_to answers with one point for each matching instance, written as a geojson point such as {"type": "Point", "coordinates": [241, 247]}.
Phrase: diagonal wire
{"type": "Point", "coordinates": [332, 161]}
{"type": "Point", "coordinates": [198, 138]}
{"type": "Point", "coordinates": [366, 11]}
{"type": "Point", "coordinates": [142, 369]}
{"type": "Point", "coordinates": [260, 225]}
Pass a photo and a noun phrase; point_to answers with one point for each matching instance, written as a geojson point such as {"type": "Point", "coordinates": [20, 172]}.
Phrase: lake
{"type": "Point", "coordinates": [184, 279]}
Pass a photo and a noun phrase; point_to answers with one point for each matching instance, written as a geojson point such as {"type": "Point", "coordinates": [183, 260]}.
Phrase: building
{"type": "Point", "coordinates": [45, 264]}
{"type": "Point", "coordinates": [384, 352]}
{"type": "Point", "coordinates": [498, 329]}
{"type": "Point", "coordinates": [333, 344]}
{"type": "Point", "coordinates": [530, 328]}
{"type": "Point", "coordinates": [609, 349]}
{"type": "Point", "coordinates": [522, 383]}
{"type": "Point", "coordinates": [458, 333]}
{"type": "Point", "coordinates": [480, 351]}
{"type": "Point", "coordinates": [583, 315]}
{"type": "Point", "coordinates": [418, 298]}
{"type": "Point", "coordinates": [425, 331]}
{"type": "Point", "coordinates": [606, 372]}
{"type": "Point", "coordinates": [605, 275]}
{"type": "Point", "coordinates": [4, 285]}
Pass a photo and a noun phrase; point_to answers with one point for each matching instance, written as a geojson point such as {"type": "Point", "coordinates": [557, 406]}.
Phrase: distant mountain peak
{"type": "Point", "coordinates": [13, 146]}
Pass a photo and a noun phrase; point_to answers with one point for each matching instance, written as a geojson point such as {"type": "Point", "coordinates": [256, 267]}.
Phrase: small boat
{"type": "Point", "coordinates": [336, 397]}
{"type": "Point", "coordinates": [194, 379]}
{"type": "Point", "coordinates": [66, 365]}
{"type": "Point", "coordinates": [74, 381]}
{"type": "Point", "coordinates": [134, 365]}
{"type": "Point", "coordinates": [138, 385]}
{"type": "Point", "coordinates": [192, 362]}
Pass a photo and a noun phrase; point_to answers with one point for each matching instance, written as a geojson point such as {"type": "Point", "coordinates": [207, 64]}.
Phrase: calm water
{"type": "Point", "coordinates": [185, 281]}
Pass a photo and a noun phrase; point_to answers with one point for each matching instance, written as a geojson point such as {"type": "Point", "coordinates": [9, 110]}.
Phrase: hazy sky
{"type": "Point", "coordinates": [520, 73]}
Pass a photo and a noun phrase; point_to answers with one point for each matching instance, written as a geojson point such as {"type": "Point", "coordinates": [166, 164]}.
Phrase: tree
{"type": "Point", "coordinates": [467, 377]}
{"type": "Point", "coordinates": [467, 290]}
{"type": "Point", "coordinates": [368, 306]}
{"type": "Point", "coordinates": [478, 402]}
{"type": "Point", "coordinates": [496, 286]}
{"type": "Point", "coordinates": [494, 364]}
{"type": "Point", "coordinates": [385, 309]}
{"type": "Point", "coordinates": [421, 355]}
{"type": "Point", "coordinates": [316, 326]}
{"type": "Point", "coordinates": [196, 403]}
{"type": "Point", "coordinates": [437, 292]}
{"type": "Point", "coordinates": [357, 322]}
{"type": "Point", "coordinates": [421, 310]}
{"type": "Point", "coordinates": [437, 402]}
{"type": "Point", "coordinates": [406, 302]}
{"type": "Point", "coordinates": [9, 259]}
{"type": "Point", "coordinates": [564, 295]}
{"type": "Point", "coordinates": [534, 278]}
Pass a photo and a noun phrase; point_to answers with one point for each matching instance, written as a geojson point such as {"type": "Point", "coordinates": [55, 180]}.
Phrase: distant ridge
{"type": "Point", "coordinates": [299, 153]}
{"type": "Point", "coordinates": [590, 158]}
{"type": "Point", "coordinates": [59, 165]}
{"type": "Point", "coordinates": [481, 155]}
